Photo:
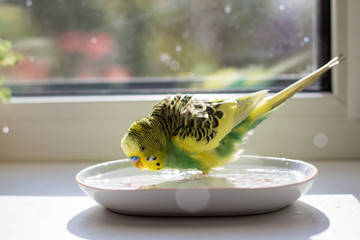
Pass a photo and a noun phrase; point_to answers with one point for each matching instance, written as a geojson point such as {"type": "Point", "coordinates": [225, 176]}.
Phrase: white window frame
{"type": "Point", "coordinates": [308, 126]}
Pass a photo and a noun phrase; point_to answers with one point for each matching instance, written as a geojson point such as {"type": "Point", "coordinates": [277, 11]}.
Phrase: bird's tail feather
{"type": "Point", "coordinates": [247, 104]}
{"type": "Point", "coordinates": [276, 100]}
{"type": "Point", "coordinates": [303, 83]}
{"type": "Point", "coordinates": [262, 110]}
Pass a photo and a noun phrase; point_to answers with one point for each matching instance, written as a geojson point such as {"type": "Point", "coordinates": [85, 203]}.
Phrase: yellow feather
{"type": "Point", "coordinates": [234, 111]}
{"type": "Point", "coordinates": [210, 159]}
{"type": "Point", "coordinates": [190, 144]}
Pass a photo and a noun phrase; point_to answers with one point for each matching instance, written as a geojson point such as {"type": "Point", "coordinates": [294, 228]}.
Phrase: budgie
{"type": "Point", "coordinates": [185, 133]}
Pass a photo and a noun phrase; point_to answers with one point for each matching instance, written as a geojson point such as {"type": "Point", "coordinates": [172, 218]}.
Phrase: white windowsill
{"type": "Point", "coordinates": [91, 128]}
{"type": "Point", "coordinates": [40, 200]}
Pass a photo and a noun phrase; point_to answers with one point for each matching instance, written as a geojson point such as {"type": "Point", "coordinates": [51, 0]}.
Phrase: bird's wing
{"type": "Point", "coordinates": [201, 125]}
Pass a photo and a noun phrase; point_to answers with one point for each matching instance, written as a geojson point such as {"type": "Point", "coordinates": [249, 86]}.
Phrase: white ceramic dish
{"type": "Point", "coordinates": [249, 185]}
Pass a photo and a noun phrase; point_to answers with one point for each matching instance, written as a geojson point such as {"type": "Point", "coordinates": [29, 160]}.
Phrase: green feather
{"type": "Point", "coordinates": [179, 159]}
{"type": "Point", "coordinates": [229, 144]}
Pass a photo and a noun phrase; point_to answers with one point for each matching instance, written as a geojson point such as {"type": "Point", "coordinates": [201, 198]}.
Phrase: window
{"type": "Point", "coordinates": [163, 46]}
{"type": "Point", "coordinates": [91, 127]}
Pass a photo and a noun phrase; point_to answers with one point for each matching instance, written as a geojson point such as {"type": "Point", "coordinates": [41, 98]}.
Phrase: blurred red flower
{"type": "Point", "coordinates": [29, 70]}
{"type": "Point", "coordinates": [71, 41]}
{"type": "Point", "coordinates": [92, 45]}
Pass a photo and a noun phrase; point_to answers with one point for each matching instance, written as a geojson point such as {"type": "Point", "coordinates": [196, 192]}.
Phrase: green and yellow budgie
{"type": "Point", "coordinates": [184, 133]}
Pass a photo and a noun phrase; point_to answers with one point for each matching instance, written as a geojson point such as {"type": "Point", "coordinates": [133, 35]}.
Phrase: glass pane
{"type": "Point", "coordinates": [142, 46]}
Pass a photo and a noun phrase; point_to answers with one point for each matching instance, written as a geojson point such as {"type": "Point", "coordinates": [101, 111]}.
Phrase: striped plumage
{"type": "Point", "coordinates": [185, 133]}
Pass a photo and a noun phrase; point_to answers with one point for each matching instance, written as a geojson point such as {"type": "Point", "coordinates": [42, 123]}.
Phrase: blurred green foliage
{"type": "Point", "coordinates": [7, 58]}
{"type": "Point", "coordinates": [128, 40]}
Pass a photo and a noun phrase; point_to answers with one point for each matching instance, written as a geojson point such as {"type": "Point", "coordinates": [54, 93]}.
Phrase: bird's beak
{"type": "Point", "coordinates": [136, 161]}
{"type": "Point", "coordinates": [138, 164]}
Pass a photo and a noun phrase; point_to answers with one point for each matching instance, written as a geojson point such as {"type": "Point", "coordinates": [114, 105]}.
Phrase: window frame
{"type": "Point", "coordinates": [91, 128]}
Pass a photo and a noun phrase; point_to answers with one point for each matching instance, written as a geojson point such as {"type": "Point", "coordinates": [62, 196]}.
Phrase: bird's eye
{"type": "Point", "coordinates": [142, 149]}
{"type": "Point", "coordinates": [134, 158]}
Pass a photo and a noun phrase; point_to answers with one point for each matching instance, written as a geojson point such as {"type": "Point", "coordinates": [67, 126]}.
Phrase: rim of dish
{"type": "Point", "coordinates": [200, 188]}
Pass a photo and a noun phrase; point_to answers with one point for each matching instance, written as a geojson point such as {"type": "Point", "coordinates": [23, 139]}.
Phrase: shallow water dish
{"type": "Point", "coordinates": [249, 185]}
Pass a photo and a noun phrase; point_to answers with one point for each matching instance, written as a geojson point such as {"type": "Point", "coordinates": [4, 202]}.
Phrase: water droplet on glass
{"type": "Point", "coordinates": [5, 130]}
{"type": "Point", "coordinates": [165, 58]}
{"type": "Point", "coordinates": [306, 39]}
{"type": "Point", "coordinates": [29, 3]}
{"type": "Point", "coordinates": [178, 48]}
{"type": "Point", "coordinates": [281, 7]}
{"type": "Point", "coordinates": [227, 9]}
{"type": "Point", "coordinates": [93, 40]}
{"type": "Point", "coordinates": [174, 65]}
{"type": "Point", "coordinates": [321, 140]}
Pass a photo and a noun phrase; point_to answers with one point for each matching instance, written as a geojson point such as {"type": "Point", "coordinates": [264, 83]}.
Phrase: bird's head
{"type": "Point", "coordinates": [142, 146]}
